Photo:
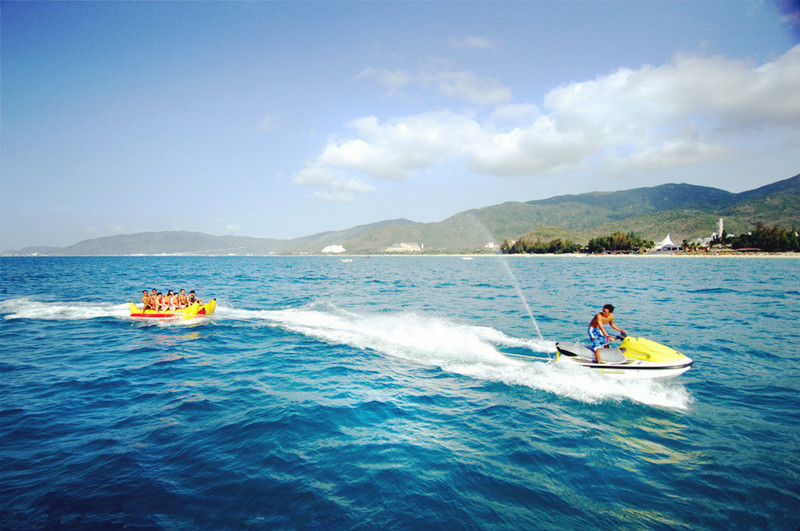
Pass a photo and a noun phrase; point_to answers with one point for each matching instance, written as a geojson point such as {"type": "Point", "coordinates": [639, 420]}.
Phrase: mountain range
{"type": "Point", "coordinates": [682, 210]}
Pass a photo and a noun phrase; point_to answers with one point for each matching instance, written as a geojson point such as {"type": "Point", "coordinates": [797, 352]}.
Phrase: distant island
{"type": "Point", "coordinates": [686, 212]}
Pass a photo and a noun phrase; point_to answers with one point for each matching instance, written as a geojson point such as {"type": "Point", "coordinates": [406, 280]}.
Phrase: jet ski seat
{"type": "Point", "coordinates": [611, 355]}
{"type": "Point", "coordinates": [607, 355]}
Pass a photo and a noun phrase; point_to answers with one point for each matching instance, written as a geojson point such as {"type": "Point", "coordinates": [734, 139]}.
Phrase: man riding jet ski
{"type": "Point", "coordinates": [635, 357]}
{"type": "Point", "coordinates": [597, 332]}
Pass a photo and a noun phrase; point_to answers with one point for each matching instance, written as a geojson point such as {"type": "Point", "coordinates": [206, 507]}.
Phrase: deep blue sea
{"type": "Point", "coordinates": [389, 393]}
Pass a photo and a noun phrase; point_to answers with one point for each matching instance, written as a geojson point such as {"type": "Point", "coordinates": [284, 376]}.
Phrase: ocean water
{"type": "Point", "coordinates": [390, 393]}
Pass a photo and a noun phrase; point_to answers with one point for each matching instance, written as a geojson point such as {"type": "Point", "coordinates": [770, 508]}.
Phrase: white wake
{"type": "Point", "coordinates": [476, 351]}
{"type": "Point", "coordinates": [480, 352]}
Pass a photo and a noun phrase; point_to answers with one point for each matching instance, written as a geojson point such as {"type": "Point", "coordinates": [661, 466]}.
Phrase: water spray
{"type": "Point", "coordinates": [480, 226]}
{"type": "Point", "coordinates": [518, 289]}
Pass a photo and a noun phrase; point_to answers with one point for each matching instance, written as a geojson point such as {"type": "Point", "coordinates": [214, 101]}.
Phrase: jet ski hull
{"type": "Point", "coordinates": [636, 358]}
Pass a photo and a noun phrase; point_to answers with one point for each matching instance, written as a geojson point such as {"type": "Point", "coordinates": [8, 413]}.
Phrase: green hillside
{"type": "Point", "coordinates": [684, 211]}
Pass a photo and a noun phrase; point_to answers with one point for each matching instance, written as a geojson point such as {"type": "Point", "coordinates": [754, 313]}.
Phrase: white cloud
{"type": "Point", "coordinates": [458, 85]}
{"type": "Point", "coordinates": [334, 197]}
{"type": "Point", "coordinates": [790, 13]}
{"type": "Point", "coordinates": [515, 112]}
{"type": "Point", "coordinates": [395, 149]}
{"type": "Point", "coordinates": [267, 123]}
{"type": "Point", "coordinates": [691, 110]}
{"type": "Point", "coordinates": [727, 91]}
{"type": "Point", "coordinates": [393, 80]}
{"type": "Point", "coordinates": [472, 42]}
{"type": "Point", "coordinates": [330, 182]}
{"type": "Point", "coordinates": [673, 152]}
{"type": "Point", "coordinates": [468, 87]}
{"type": "Point", "coordinates": [536, 149]}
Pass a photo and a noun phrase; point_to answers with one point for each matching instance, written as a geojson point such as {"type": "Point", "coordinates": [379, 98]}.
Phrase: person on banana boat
{"type": "Point", "coordinates": [598, 336]}
{"type": "Point", "coordinates": [193, 299]}
{"type": "Point", "coordinates": [164, 299]}
{"type": "Point", "coordinates": [172, 300]}
{"type": "Point", "coordinates": [183, 299]}
{"type": "Point", "coordinates": [147, 303]}
{"type": "Point", "coordinates": [158, 302]}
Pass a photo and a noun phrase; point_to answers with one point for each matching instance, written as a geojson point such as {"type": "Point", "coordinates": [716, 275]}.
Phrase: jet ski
{"type": "Point", "coordinates": [636, 357]}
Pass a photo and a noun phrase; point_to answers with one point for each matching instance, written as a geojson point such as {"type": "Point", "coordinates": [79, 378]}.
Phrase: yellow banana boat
{"type": "Point", "coordinates": [179, 313]}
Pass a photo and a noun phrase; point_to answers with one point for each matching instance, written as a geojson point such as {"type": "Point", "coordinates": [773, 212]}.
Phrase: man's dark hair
{"type": "Point", "coordinates": [609, 307]}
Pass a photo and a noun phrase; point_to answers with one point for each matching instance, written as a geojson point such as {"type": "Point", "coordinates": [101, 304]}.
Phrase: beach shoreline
{"type": "Point", "coordinates": [467, 256]}
{"type": "Point", "coordinates": [732, 254]}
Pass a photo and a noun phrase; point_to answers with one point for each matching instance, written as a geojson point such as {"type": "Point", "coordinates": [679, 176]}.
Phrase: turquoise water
{"type": "Point", "coordinates": [389, 393]}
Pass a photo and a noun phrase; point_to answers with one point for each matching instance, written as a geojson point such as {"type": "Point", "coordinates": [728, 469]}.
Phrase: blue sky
{"type": "Point", "coordinates": [285, 119]}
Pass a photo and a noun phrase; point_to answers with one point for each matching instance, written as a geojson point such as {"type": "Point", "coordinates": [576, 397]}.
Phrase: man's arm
{"type": "Point", "coordinates": [611, 322]}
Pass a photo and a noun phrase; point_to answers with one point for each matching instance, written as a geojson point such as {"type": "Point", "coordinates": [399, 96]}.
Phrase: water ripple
{"type": "Point", "coordinates": [390, 394]}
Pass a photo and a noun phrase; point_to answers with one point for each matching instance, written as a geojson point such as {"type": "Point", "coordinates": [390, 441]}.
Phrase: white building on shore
{"type": "Point", "coordinates": [334, 249]}
{"type": "Point", "coordinates": [405, 247]}
{"type": "Point", "coordinates": [666, 245]}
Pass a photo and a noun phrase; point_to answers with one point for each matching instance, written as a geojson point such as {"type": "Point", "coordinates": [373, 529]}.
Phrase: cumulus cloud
{"type": "Point", "coordinates": [267, 123]}
{"type": "Point", "coordinates": [468, 87]}
{"type": "Point", "coordinates": [331, 183]}
{"type": "Point", "coordinates": [680, 150]}
{"type": "Point", "coordinates": [387, 151]}
{"type": "Point", "coordinates": [472, 42]}
{"type": "Point", "coordinates": [515, 112]}
{"type": "Point", "coordinates": [790, 14]}
{"type": "Point", "coordinates": [688, 111]}
{"type": "Point", "coordinates": [536, 149]}
{"type": "Point", "coordinates": [728, 91]}
{"type": "Point", "coordinates": [392, 80]}
{"type": "Point", "coordinates": [458, 85]}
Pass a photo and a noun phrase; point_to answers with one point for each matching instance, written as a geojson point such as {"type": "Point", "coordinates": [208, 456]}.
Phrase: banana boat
{"type": "Point", "coordinates": [179, 313]}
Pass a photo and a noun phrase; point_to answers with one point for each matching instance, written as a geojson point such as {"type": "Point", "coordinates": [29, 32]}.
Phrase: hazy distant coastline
{"type": "Point", "coordinates": [686, 212]}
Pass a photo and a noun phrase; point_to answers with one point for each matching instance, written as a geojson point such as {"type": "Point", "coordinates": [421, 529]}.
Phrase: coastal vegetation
{"type": "Point", "coordinates": [522, 246]}
{"type": "Point", "coordinates": [762, 238]}
{"type": "Point", "coordinates": [616, 242]}
{"type": "Point", "coordinates": [619, 242]}
{"type": "Point", "coordinates": [771, 240]}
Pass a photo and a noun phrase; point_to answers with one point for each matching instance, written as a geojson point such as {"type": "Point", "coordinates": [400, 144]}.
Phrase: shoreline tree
{"type": "Point", "coordinates": [557, 246]}
{"type": "Point", "coordinates": [771, 240]}
{"type": "Point", "coordinates": [619, 242]}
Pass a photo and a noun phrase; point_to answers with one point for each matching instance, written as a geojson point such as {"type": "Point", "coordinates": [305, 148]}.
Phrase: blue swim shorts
{"type": "Point", "coordinates": [597, 338]}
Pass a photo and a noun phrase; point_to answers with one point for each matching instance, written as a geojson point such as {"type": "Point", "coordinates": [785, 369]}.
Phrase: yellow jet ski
{"type": "Point", "coordinates": [636, 357]}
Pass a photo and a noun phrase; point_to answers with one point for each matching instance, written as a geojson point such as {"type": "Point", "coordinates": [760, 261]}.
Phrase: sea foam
{"type": "Point", "coordinates": [480, 352]}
